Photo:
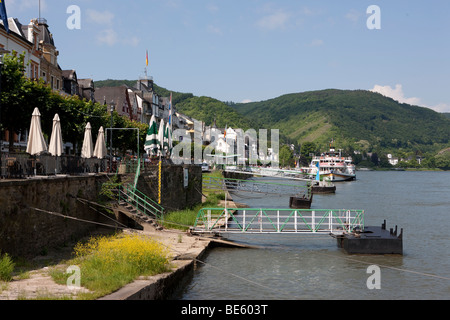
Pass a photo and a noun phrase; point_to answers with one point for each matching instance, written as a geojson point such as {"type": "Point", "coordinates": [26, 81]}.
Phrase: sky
{"type": "Point", "coordinates": [255, 50]}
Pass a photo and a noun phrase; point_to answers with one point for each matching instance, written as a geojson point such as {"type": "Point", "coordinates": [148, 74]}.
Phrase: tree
{"type": "Point", "coordinates": [374, 158]}
{"type": "Point", "coordinates": [17, 97]}
{"type": "Point", "coordinates": [307, 149]}
{"type": "Point", "coordinates": [384, 161]}
{"type": "Point", "coordinates": [286, 156]}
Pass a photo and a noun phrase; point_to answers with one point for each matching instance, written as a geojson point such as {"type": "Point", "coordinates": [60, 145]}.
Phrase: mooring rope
{"type": "Point", "coordinates": [168, 247]}
{"type": "Point", "coordinates": [76, 219]}
{"type": "Point", "coordinates": [86, 202]}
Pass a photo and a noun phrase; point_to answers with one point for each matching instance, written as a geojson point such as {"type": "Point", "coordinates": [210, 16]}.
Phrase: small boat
{"type": "Point", "coordinates": [323, 187]}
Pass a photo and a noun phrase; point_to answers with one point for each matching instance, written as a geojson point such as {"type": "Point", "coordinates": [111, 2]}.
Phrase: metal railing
{"type": "Point", "coordinates": [329, 221]}
{"type": "Point", "coordinates": [22, 165]}
{"type": "Point", "coordinates": [140, 202]}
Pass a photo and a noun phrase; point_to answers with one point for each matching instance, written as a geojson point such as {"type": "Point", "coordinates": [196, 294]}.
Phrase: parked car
{"type": "Point", "coordinates": [205, 167]}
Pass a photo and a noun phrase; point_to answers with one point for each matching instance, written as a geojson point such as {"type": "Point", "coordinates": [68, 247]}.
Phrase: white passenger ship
{"type": "Point", "coordinates": [333, 166]}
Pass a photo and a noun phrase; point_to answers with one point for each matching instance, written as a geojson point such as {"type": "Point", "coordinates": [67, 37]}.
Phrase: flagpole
{"type": "Point", "coordinates": [146, 63]}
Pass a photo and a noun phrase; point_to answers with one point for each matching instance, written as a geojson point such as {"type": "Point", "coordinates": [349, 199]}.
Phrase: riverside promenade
{"type": "Point", "coordinates": [185, 252]}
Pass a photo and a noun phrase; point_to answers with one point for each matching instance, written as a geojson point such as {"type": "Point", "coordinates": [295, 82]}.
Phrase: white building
{"type": "Point", "coordinates": [23, 39]}
{"type": "Point", "coordinates": [392, 160]}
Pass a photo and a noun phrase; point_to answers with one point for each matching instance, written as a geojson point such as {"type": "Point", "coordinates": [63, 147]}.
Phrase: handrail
{"type": "Point", "coordinates": [152, 202]}
{"type": "Point", "coordinates": [253, 220]}
{"type": "Point", "coordinates": [139, 203]}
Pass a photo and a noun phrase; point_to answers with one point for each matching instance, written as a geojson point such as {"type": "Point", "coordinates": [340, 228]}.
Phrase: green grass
{"type": "Point", "coordinates": [109, 263]}
{"type": "Point", "coordinates": [184, 219]}
{"type": "Point", "coordinates": [6, 267]}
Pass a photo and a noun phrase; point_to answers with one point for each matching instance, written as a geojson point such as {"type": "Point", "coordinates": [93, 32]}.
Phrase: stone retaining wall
{"type": "Point", "coordinates": [26, 232]}
{"type": "Point", "coordinates": [174, 195]}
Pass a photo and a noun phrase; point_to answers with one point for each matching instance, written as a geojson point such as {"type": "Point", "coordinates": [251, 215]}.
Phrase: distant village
{"type": "Point", "coordinates": [138, 103]}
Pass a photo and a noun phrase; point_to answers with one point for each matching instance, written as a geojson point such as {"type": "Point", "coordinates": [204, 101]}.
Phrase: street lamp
{"type": "Point", "coordinates": [112, 107]}
{"type": "Point", "coordinates": [2, 52]}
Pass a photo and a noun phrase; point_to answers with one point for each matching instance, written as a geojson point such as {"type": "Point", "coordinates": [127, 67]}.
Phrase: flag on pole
{"type": "Point", "coordinates": [146, 56]}
{"type": "Point", "coordinates": [3, 15]}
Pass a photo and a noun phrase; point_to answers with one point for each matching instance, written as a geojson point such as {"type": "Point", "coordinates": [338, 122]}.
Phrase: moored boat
{"type": "Point", "coordinates": [323, 187]}
{"type": "Point", "coordinates": [332, 166]}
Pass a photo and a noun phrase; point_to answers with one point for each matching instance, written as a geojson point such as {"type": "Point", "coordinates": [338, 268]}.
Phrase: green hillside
{"type": "Point", "coordinates": [209, 110]}
{"type": "Point", "coordinates": [360, 119]}
{"type": "Point", "coordinates": [357, 119]}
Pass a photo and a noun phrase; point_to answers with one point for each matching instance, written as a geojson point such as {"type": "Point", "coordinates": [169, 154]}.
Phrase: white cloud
{"type": "Point", "coordinates": [108, 37]}
{"type": "Point", "coordinates": [277, 20]}
{"type": "Point", "coordinates": [441, 107]}
{"type": "Point", "coordinates": [214, 30]}
{"type": "Point", "coordinates": [398, 95]}
{"type": "Point", "coordinates": [133, 41]}
{"type": "Point", "coordinates": [103, 18]}
{"type": "Point", "coordinates": [14, 6]}
{"type": "Point", "coordinates": [353, 15]}
{"type": "Point", "coordinates": [246, 101]}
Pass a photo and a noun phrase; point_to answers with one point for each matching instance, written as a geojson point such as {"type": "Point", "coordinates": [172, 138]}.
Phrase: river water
{"type": "Point", "coordinates": [313, 267]}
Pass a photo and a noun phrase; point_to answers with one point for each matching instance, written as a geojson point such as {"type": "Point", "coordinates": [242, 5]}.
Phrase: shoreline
{"type": "Point", "coordinates": [184, 251]}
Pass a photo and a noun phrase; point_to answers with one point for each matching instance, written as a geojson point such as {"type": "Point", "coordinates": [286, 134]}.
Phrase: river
{"type": "Point", "coordinates": [313, 267]}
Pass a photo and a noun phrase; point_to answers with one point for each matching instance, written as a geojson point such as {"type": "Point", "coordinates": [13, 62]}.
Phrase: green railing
{"type": "Point", "coordinates": [217, 220]}
{"type": "Point", "coordinates": [141, 202]}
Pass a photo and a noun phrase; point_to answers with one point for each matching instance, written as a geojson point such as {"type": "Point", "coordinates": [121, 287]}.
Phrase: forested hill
{"type": "Point", "coordinates": [359, 118]}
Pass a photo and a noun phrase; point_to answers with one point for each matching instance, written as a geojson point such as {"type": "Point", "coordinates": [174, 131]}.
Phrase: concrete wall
{"type": "Point", "coordinates": [27, 232]}
{"type": "Point", "coordinates": [174, 196]}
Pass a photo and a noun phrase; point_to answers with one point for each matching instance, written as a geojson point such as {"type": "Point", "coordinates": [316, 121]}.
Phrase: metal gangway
{"type": "Point", "coordinates": [272, 172]}
{"type": "Point", "coordinates": [251, 186]}
{"type": "Point", "coordinates": [276, 221]}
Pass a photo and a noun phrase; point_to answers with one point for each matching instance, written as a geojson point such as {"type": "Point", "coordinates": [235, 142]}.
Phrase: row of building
{"type": "Point", "coordinates": [139, 102]}
{"type": "Point", "coordinates": [36, 41]}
